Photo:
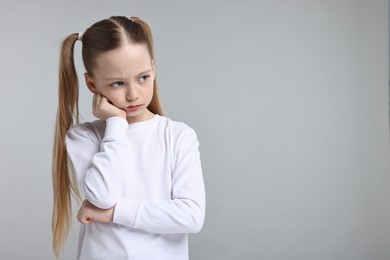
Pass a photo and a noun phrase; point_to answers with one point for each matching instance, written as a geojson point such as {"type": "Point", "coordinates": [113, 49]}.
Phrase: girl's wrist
{"type": "Point", "coordinates": [115, 116]}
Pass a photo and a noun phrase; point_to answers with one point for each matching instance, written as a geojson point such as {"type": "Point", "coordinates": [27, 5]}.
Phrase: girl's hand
{"type": "Point", "coordinates": [89, 213]}
{"type": "Point", "coordinates": [103, 109]}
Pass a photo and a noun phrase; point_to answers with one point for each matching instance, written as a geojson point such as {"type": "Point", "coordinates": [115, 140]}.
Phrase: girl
{"type": "Point", "coordinates": [139, 172]}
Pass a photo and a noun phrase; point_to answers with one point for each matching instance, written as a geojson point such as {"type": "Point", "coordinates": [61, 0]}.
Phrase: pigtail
{"type": "Point", "coordinates": [63, 179]}
{"type": "Point", "coordinates": [155, 105]}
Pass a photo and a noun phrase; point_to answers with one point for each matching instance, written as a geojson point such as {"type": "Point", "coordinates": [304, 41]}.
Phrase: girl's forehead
{"type": "Point", "coordinates": [130, 58]}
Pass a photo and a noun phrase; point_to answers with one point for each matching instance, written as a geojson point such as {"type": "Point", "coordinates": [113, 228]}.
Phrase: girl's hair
{"type": "Point", "coordinates": [103, 36]}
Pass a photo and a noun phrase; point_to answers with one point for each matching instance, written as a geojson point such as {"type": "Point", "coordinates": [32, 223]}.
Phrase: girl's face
{"type": "Point", "coordinates": [125, 77]}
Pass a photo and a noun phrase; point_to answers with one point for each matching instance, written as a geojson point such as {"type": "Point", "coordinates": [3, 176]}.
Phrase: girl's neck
{"type": "Point", "coordinates": [147, 115]}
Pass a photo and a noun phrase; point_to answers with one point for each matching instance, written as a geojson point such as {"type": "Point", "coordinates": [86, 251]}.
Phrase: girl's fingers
{"type": "Point", "coordinates": [83, 214]}
{"type": "Point", "coordinates": [98, 98]}
{"type": "Point", "coordinates": [85, 220]}
{"type": "Point", "coordinates": [104, 99]}
{"type": "Point", "coordinates": [104, 108]}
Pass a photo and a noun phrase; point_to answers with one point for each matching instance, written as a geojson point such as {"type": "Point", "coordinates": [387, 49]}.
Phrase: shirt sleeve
{"type": "Point", "coordinates": [185, 211]}
{"type": "Point", "coordinates": [98, 165]}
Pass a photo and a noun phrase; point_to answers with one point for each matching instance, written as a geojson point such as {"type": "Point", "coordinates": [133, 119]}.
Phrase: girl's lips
{"type": "Point", "coordinates": [133, 108]}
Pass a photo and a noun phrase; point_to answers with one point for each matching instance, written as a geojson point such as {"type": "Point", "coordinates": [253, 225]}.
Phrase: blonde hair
{"type": "Point", "coordinates": [103, 36]}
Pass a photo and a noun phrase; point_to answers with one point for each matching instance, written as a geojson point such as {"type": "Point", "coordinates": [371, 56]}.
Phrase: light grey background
{"type": "Point", "coordinates": [289, 99]}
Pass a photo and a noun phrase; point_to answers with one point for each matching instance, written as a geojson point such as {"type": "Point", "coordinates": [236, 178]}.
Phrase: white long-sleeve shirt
{"type": "Point", "coordinates": [151, 172]}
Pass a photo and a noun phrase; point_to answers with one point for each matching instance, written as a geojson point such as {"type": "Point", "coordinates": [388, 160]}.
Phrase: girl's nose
{"type": "Point", "coordinates": [131, 94]}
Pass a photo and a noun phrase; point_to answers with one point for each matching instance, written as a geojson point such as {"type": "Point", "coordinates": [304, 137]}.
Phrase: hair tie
{"type": "Point", "coordinates": [80, 37]}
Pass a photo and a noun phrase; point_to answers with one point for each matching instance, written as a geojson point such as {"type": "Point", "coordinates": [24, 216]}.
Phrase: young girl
{"type": "Point", "coordinates": [139, 172]}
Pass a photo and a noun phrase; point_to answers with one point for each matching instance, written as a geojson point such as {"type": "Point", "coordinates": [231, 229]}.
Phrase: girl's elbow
{"type": "Point", "coordinates": [197, 227]}
{"type": "Point", "coordinates": [197, 222]}
{"type": "Point", "coordinates": [101, 200]}
{"type": "Point", "coordinates": [107, 204]}
{"type": "Point", "coordinates": [102, 203]}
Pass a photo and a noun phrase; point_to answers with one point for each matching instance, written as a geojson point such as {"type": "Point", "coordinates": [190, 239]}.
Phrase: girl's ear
{"type": "Point", "coordinates": [90, 83]}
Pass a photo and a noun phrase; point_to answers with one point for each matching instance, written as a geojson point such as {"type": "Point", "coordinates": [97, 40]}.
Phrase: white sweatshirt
{"type": "Point", "coordinates": [151, 172]}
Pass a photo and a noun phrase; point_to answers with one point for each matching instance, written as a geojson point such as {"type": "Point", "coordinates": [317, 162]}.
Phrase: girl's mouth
{"type": "Point", "coordinates": [133, 108]}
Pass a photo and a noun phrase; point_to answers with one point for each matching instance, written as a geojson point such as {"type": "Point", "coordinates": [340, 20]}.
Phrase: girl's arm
{"type": "Point", "coordinates": [89, 213]}
{"type": "Point", "coordinates": [185, 211]}
{"type": "Point", "coordinates": [99, 166]}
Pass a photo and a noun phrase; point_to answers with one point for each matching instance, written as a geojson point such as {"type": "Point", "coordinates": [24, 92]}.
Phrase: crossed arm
{"type": "Point", "coordinates": [184, 213]}
{"type": "Point", "coordinates": [88, 212]}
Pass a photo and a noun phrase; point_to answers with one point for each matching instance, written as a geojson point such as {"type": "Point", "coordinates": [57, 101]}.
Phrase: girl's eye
{"type": "Point", "coordinates": [143, 78]}
{"type": "Point", "coordinates": [117, 84]}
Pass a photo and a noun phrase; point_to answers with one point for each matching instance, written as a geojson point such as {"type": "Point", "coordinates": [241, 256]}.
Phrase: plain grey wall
{"type": "Point", "coordinates": [289, 99]}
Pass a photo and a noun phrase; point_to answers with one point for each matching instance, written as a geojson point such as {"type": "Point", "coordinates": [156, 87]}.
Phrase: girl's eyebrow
{"type": "Point", "coordinates": [118, 78]}
{"type": "Point", "coordinates": [112, 78]}
{"type": "Point", "coordinates": [144, 72]}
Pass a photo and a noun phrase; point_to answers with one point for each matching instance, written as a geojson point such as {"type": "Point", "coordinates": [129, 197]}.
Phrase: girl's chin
{"type": "Point", "coordinates": [139, 115]}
